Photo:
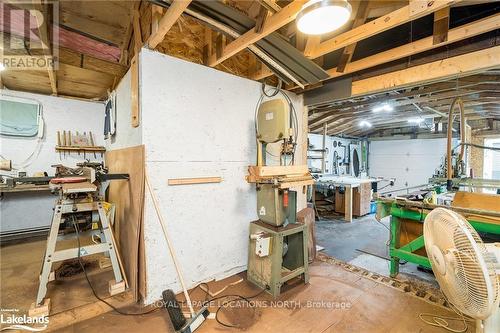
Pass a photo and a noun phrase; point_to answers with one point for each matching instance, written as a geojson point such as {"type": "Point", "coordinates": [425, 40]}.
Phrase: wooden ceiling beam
{"type": "Point", "coordinates": [379, 25]}
{"type": "Point", "coordinates": [462, 32]}
{"type": "Point", "coordinates": [463, 65]}
{"type": "Point", "coordinates": [434, 98]}
{"type": "Point", "coordinates": [351, 128]}
{"type": "Point", "coordinates": [124, 56]}
{"type": "Point", "coordinates": [465, 31]}
{"type": "Point", "coordinates": [475, 82]}
{"type": "Point", "coordinates": [42, 23]}
{"type": "Point", "coordinates": [74, 58]}
{"type": "Point", "coordinates": [348, 51]}
{"type": "Point", "coordinates": [270, 5]}
{"type": "Point", "coordinates": [343, 121]}
{"type": "Point", "coordinates": [207, 46]}
{"type": "Point", "coordinates": [167, 21]}
{"type": "Point", "coordinates": [273, 23]}
{"type": "Point", "coordinates": [442, 103]}
{"type": "Point", "coordinates": [136, 23]}
{"type": "Point", "coordinates": [441, 25]}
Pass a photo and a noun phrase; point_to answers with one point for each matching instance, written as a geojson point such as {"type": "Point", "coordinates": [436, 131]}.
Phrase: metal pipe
{"type": "Point", "coordinates": [323, 153]}
{"type": "Point", "coordinates": [449, 170]}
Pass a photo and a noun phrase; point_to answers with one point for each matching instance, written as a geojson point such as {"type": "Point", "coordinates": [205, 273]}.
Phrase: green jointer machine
{"type": "Point", "coordinates": [278, 245]}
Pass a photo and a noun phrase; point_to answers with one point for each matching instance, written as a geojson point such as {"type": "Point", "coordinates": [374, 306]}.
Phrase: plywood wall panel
{"type": "Point", "coordinates": [128, 196]}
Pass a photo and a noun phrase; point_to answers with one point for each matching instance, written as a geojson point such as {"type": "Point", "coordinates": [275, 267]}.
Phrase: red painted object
{"type": "Point", "coordinates": [67, 180]}
{"type": "Point", "coordinates": [285, 198]}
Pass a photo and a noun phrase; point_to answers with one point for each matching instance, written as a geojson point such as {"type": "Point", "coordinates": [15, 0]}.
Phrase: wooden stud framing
{"type": "Point", "coordinates": [134, 91]}
{"type": "Point", "coordinates": [311, 44]}
{"type": "Point", "coordinates": [207, 47]}
{"type": "Point", "coordinates": [348, 52]}
{"type": "Point", "coordinates": [262, 73]}
{"type": "Point", "coordinates": [137, 32]}
{"type": "Point", "coordinates": [156, 15]}
{"type": "Point", "coordinates": [270, 5]}
{"type": "Point", "coordinates": [261, 19]}
{"type": "Point", "coordinates": [278, 20]}
{"type": "Point", "coordinates": [124, 56]}
{"type": "Point", "coordinates": [441, 25]}
{"type": "Point", "coordinates": [377, 26]}
{"type": "Point", "coordinates": [73, 58]}
{"type": "Point", "coordinates": [167, 21]}
{"type": "Point", "coordinates": [252, 64]}
{"type": "Point", "coordinates": [44, 37]}
{"type": "Point", "coordinates": [468, 30]}
{"type": "Point", "coordinates": [220, 44]}
{"type": "Point", "coordinates": [300, 40]}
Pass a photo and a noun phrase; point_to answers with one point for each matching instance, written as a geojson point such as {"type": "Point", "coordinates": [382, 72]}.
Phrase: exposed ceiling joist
{"type": "Point", "coordinates": [348, 51]}
{"type": "Point", "coordinates": [44, 38]}
{"type": "Point", "coordinates": [381, 24]}
{"type": "Point", "coordinates": [425, 44]}
{"type": "Point", "coordinates": [463, 65]}
{"type": "Point", "coordinates": [273, 23]}
{"type": "Point", "coordinates": [270, 5]}
{"type": "Point", "coordinates": [397, 101]}
{"type": "Point", "coordinates": [441, 25]}
{"type": "Point", "coordinates": [137, 31]}
{"type": "Point", "coordinates": [71, 57]}
{"type": "Point", "coordinates": [485, 81]}
{"type": "Point", "coordinates": [465, 31]}
{"type": "Point", "coordinates": [167, 21]}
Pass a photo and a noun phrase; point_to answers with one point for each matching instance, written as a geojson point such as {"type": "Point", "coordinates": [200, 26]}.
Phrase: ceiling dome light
{"type": "Point", "coordinates": [416, 121]}
{"type": "Point", "coordinates": [322, 16]}
{"type": "Point", "coordinates": [384, 107]}
{"type": "Point", "coordinates": [365, 124]}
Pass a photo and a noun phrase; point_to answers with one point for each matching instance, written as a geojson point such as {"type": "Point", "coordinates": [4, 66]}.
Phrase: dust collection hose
{"type": "Point", "coordinates": [449, 170]}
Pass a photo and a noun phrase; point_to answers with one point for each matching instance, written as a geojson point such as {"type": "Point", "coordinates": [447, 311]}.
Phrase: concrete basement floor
{"type": "Point", "coordinates": [368, 306]}
{"type": "Point", "coordinates": [344, 240]}
{"type": "Point", "coordinates": [335, 300]}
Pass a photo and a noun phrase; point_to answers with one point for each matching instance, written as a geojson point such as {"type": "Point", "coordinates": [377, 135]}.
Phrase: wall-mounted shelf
{"type": "Point", "coordinates": [77, 143]}
{"type": "Point", "coordinates": [90, 149]}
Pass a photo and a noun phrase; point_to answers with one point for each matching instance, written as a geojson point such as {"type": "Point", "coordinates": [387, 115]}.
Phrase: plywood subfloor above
{"type": "Point", "coordinates": [71, 81]}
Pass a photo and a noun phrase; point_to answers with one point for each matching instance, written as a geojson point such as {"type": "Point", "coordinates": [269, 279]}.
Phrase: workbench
{"type": "Point", "coordinates": [406, 212]}
{"type": "Point", "coordinates": [349, 183]}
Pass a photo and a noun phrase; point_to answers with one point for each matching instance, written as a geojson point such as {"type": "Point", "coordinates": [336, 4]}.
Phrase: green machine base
{"type": "Point", "coordinates": [284, 257]}
{"type": "Point", "coordinates": [399, 213]}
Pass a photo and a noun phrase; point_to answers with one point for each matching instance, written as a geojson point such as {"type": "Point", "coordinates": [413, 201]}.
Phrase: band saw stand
{"type": "Point", "coordinates": [278, 247]}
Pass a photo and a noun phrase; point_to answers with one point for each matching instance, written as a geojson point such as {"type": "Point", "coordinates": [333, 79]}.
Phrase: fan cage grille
{"type": "Point", "coordinates": [464, 282]}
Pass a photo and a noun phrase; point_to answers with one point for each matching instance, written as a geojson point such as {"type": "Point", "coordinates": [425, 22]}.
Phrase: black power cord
{"type": "Point", "coordinates": [235, 297]}
{"type": "Point", "coordinates": [92, 287]}
{"type": "Point", "coordinates": [226, 303]}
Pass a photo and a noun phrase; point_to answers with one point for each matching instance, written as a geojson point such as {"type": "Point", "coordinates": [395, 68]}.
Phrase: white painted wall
{"type": "Point", "coordinates": [197, 121]}
{"type": "Point", "coordinates": [317, 141]}
{"type": "Point", "coordinates": [125, 135]}
{"type": "Point", "coordinates": [411, 162]}
{"type": "Point", "coordinates": [32, 210]}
